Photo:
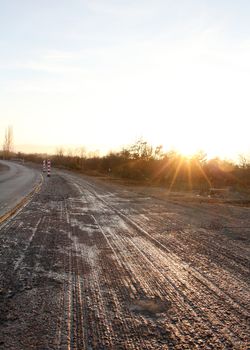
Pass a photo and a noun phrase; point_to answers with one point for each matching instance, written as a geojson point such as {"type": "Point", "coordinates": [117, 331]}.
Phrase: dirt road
{"type": "Point", "coordinates": [91, 265]}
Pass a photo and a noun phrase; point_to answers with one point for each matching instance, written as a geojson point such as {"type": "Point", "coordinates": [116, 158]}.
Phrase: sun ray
{"type": "Point", "coordinates": [175, 174]}
{"type": "Point", "coordinates": [189, 171]}
{"type": "Point", "coordinates": [204, 174]}
{"type": "Point", "coordinates": [168, 163]}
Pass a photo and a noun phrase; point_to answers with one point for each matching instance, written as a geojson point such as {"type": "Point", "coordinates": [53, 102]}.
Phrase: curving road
{"type": "Point", "coordinates": [16, 182]}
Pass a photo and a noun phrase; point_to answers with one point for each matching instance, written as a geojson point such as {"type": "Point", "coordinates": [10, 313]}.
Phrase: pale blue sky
{"type": "Point", "coordinates": [102, 73]}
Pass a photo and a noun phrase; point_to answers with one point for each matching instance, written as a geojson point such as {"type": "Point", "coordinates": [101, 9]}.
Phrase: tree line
{"type": "Point", "coordinates": [142, 163]}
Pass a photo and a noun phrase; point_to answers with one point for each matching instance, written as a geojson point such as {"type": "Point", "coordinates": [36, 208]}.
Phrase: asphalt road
{"type": "Point", "coordinates": [16, 181]}
{"type": "Point", "coordinates": [90, 265]}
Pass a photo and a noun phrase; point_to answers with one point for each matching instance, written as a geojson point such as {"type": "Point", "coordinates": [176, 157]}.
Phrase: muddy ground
{"type": "Point", "coordinates": [93, 265]}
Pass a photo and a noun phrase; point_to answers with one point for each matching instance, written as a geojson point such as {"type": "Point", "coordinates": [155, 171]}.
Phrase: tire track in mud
{"type": "Point", "coordinates": [202, 243]}
{"type": "Point", "coordinates": [209, 291]}
{"type": "Point", "coordinates": [144, 287]}
{"type": "Point", "coordinates": [197, 261]}
{"type": "Point", "coordinates": [127, 327]}
{"type": "Point", "coordinates": [136, 283]}
{"type": "Point", "coordinates": [102, 333]}
{"type": "Point", "coordinates": [209, 244]}
{"type": "Point", "coordinates": [176, 284]}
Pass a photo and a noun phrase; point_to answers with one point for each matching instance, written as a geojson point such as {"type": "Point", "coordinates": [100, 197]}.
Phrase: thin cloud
{"type": "Point", "coordinates": [129, 9]}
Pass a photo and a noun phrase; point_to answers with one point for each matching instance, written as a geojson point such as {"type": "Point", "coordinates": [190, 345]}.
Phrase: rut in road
{"type": "Point", "coordinates": [86, 266]}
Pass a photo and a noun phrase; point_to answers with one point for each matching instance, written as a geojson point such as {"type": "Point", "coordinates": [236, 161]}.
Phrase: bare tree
{"type": "Point", "coordinates": [60, 152]}
{"type": "Point", "coordinates": [141, 150]}
{"type": "Point", "coordinates": [158, 152]}
{"type": "Point", "coordinates": [244, 161]}
{"type": "Point", "coordinates": [8, 143]}
{"type": "Point", "coordinates": [82, 154]}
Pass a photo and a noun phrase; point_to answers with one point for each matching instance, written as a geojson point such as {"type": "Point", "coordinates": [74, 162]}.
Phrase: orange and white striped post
{"type": "Point", "coordinates": [48, 167]}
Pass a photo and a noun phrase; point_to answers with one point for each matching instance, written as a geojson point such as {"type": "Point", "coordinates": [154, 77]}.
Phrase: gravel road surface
{"type": "Point", "coordinates": [16, 182]}
{"type": "Point", "coordinates": [93, 265]}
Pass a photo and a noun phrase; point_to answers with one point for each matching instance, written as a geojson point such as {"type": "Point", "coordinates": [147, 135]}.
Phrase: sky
{"type": "Point", "coordinates": [103, 73]}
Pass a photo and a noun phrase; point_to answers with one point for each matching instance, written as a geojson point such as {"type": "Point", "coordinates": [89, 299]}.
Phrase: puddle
{"type": "Point", "coordinates": [150, 307]}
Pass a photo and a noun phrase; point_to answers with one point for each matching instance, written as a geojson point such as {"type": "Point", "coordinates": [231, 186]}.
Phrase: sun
{"type": "Point", "coordinates": [187, 150]}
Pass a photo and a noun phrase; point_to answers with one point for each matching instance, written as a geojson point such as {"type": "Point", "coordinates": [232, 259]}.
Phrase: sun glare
{"type": "Point", "coordinates": [187, 150]}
